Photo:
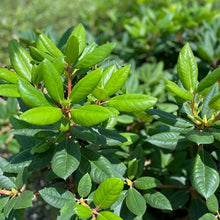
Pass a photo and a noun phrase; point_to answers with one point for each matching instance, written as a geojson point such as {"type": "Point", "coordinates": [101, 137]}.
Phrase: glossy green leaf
{"type": "Point", "coordinates": [212, 204]}
{"type": "Point", "coordinates": [80, 33]}
{"type": "Point", "coordinates": [9, 76]}
{"type": "Point", "coordinates": [132, 102]}
{"type": "Point", "coordinates": [41, 147]}
{"type": "Point", "coordinates": [89, 115]}
{"type": "Point", "coordinates": [9, 90]}
{"type": "Point", "coordinates": [31, 96]}
{"type": "Point", "coordinates": [42, 115]}
{"type": "Point", "coordinates": [40, 55]}
{"type": "Point", "coordinates": [131, 138]}
{"type": "Point", "coordinates": [116, 80]}
{"type": "Point", "coordinates": [52, 81]}
{"type": "Point", "coordinates": [72, 50]}
{"type": "Point", "coordinates": [204, 177]}
{"type": "Point", "coordinates": [100, 94]}
{"type": "Point", "coordinates": [108, 192]}
{"type": "Point", "coordinates": [199, 137]}
{"type": "Point", "coordinates": [56, 197]}
{"type": "Point", "coordinates": [146, 182]}
{"type": "Point", "coordinates": [157, 200]}
{"type": "Point", "coordinates": [85, 86]}
{"type": "Point", "coordinates": [166, 140]}
{"type": "Point", "coordinates": [84, 186]}
{"type": "Point", "coordinates": [96, 56]}
{"type": "Point", "coordinates": [187, 68]}
{"type": "Point", "coordinates": [135, 202]}
{"type": "Point", "coordinates": [209, 80]}
{"type": "Point", "coordinates": [208, 216]}
{"type": "Point", "coordinates": [44, 44]}
{"type": "Point", "coordinates": [177, 91]}
{"type": "Point", "coordinates": [205, 52]}
{"type": "Point", "coordinates": [106, 215]}
{"type": "Point", "coordinates": [20, 60]}
{"type": "Point", "coordinates": [132, 168]}
{"type": "Point", "coordinates": [59, 64]}
{"type": "Point", "coordinates": [66, 158]}
{"type": "Point", "coordinates": [24, 200]}
{"type": "Point", "coordinates": [82, 211]}
{"type": "Point", "coordinates": [215, 102]}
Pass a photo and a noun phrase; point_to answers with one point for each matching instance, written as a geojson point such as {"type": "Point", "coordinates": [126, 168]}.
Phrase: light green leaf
{"type": "Point", "coordinates": [31, 96]}
{"type": "Point", "coordinates": [9, 76]}
{"type": "Point", "coordinates": [42, 115]}
{"type": "Point", "coordinates": [146, 182]}
{"type": "Point", "coordinates": [9, 206]}
{"type": "Point", "coordinates": [66, 158]}
{"type": "Point", "coordinates": [215, 102]}
{"type": "Point", "coordinates": [6, 182]}
{"type": "Point", "coordinates": [82, 211]}
{"type": "Point", "coordinates": [212, 204]}
{"type": "Point", "coordinates": [85, 185]}
{"type": "Point", "coordinates": [208, 216]}
{"type": "Point", "coordinates": [132, 102]}
{"type": "Point", "coordinates": [3, 202]}
{"type": "Point", "coordinates": [89, 115]}
{"type": "Point", "coordinates": [85, 86]}
{"type": "Point", "coordinates": [204, 177]}
{"type": "Point", "coordinates": [135, 202]}
{"type": "Point", "coordinates": [199, 137]}
{"type": "Point", "coordinates": [52, 81]}
{"type": "Point", "coordinates": [187, 68]}
{"type": "Point", "coordinates": [100, 94]}
{"type": "Point", "coordinates": [96, 56]}
{"type": "Point", "coordinates": [24, 200]}
{"type": "Point", "coordinates": [20, 59]}
{"type": "Point", "coordinates": [157, 200]}
{"type": "Point", "coordinates": [108, 192]}
{"type": "Point", "coordinates": [9, 90]}
{"type": "Point", "coordinates": [40, 55]}
{"type": "Point", "coordinates": [56, 197]}
{"type": "Point", "coordinates": [67, 211]}
{"type": "Point", "coordinates": [106, 215]}
{"type": "Point", "coordinates": [72, 50]}
{"type": "Point", "coordinates": [131, 138]}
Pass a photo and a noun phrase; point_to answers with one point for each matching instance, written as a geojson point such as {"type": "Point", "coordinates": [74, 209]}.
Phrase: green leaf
{"type": "Point", "coordinates": [135, 202]}
{"type": "Point", "coordinates": [166, 140]}
{"type": "Point", "coordinates": [82, 211]}
{"type": "Point", "coordinates": [59, 64]}
{"type": "Point", "coordinates": [89, 115]}
{"type": "Point", "coordinates": [116, 80]}
{"type": "Point", "coordinates": [85, 86]}
{"type": "Point", "coordinates": [85, 185]}
{"type": "Point", "coordinates": [208, 216]}
{"type": "Point", "coordinates": [204, 177]}
{"type": "Point", "coordinates": [6, 182]}
{"type": "Point", "coordinates": [199, 137]}
{"type": "Point", "coordinates": [132, 102]}
{"type": "Point", "coordinates": [22, 178]}
{"type": "Point", "coordinates": [67, 211]}
{"type": "Point", "coordinates": [106, 215]}
{"type": "Point", "coordinates": [44, 44]}
{"type": "Point", "coordinates": [215, 102]}
{"type": "Point", "coordinates": [96, 56]}
{"type": "Point", "coordinates": [187, 68]}
{"type": "Point", "coordinates": [100, 94]}
{"type": "Point", "coordinates": [72, 50]}
{"type": "Point", "coordinates": [209, 80]}
{"type": "Point", "coordinates": [20, 59]}
{"type": "Point", "coordinates": [212, 204]}
{"type": "Point", "coordinates": [41, 147]}
{"type": "Point", "coordinates": [9, 90]}
{"type": "Point", "coordinates": [80, 33]}
{"type": "Point", "coordinates": [146, 182]}
{"type": "Point", "coordinates": [108, 192]}
{"type": "Point", "coordinates": [31, 96]}
{"type": "Point", "coordinates": [39, 55]}
{"type": "Point", "coordinates": [205, 52]}
{"type": "Point", "coordinates": [52, 81]}
{"type": "Point", "coordinates": [42, 115]}
{"type": "Point", "coordinates": [9, 206]}
{"type": "Point", "coordinates": [66, 158]}
{"type": "Point", "coordinates": [130, 138]}
{"type": "Point", "coordinates": [177, 91]}
{"type": "Point", "coordinates": [178, 199]}
{"type": "Point", "coordinates": [56, 197]}
{"type": "Point", "coordinates": [3, 202]}
{"type": "Point", "coordinates": [132, 168]}
{"type": "Point", "coordinates": [157, 200]}
{"type": "Point", "coordinates": [24, 200]}
{"type": "Point", "coordinates": [9, 76]}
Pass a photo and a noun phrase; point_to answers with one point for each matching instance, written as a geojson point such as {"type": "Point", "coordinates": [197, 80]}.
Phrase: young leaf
{"type": "Point", "coordinates": [89, 115]}
{"type": "Point", "coordinates": [9, 76]}
{"type": "Point", "coordinates": [31, 96]}
{"type": "Point", "coordinates": [106, 215]}
{"type": "Point", "coordinates": [204, 178]}
{"type": "Point", "coordinates": [9, 90]}
{"type": "Point", "coordinates": [187, 68]}
{"type": "Point", "coordinates": [96, 56]}
{"type": "Point", "coordinates": [132, 102]}
{"type": "Point", "coordinates": [132, 168]}
{"type": "Point", "coordinates": [157, 200]}
{"type": "Point", "coordinates": [146, 182]}
{"type": "Point", "coordinates": [209, 80]}
{"type": "Point", "coordinates": [135, 202]}
{"type": "Point", "coordinates": [212, 204]}
{"type": "Point", "coordinates": [72, 50]}
{"type": "Point", "coordinates": [52, 81]}
{"type": "Point", "coordinates": [108, 192]}
{"type": "Point", "coordinates": [215, 102]}
{"type": "Point", "coordinates": [82, 211]}
{"type": "Point", "coordinates": [66, 158]}
{"type": "Point", "coordinates": [177, 91]}
{"type": "Point", "coordinates": [85, 185]}
{"type": "Point", "coordinates": [42, 115]}
{"type": "Point", "coordinates": [24, 200]}
{"type": "Point", "coordinates": [56, 197]}
{"type": "Point", "coordinates": [20, 60]}
{"type": "Point", "coordinates": [85, 86]}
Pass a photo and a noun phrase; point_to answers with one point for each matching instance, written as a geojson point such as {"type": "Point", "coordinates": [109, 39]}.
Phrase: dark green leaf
{"type": "Point", "coordinates": [85, 185]}
{"type": "Point", "coordinates": [178, 199]}
{"type": "Point", "coordinates": [146, 182]}
{"type": "Point", "coordinates": [9, 90]}
{"type": "Point", "coordinates": [24, 200]}
{"type": "Point", "coordinates": [3, 202]}
{"type": "Point", "coordinates": [21, 178]}
{"type": "Point", "coordinates": [9, 206]}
